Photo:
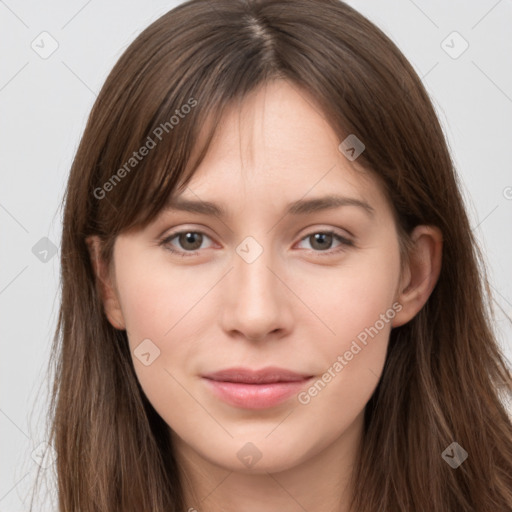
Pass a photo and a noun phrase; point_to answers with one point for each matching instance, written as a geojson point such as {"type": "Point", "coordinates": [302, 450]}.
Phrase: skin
{"type": "Point", "coordinates": [294, 306]}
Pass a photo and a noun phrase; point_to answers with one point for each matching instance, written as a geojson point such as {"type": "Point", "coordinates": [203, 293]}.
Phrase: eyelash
{"type": "Point", "coordinates": [344, 243]}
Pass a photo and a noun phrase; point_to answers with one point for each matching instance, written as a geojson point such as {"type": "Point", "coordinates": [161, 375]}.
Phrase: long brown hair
{"type": "Point", "coordinates": [444, 371]}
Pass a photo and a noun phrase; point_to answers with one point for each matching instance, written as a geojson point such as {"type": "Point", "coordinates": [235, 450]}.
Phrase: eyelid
{"type": "Point", "coordinates": [344, 240]}
{"type": "Point", "coordinates": [319, 228]}
{"type": "Point", "coordinates": [165, 239]}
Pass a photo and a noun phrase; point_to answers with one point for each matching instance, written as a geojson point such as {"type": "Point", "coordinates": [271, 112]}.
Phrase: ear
{"type": "Point", "coordinates": [421, 273]}
{"type": "Point", "coordinates": [109, 297]}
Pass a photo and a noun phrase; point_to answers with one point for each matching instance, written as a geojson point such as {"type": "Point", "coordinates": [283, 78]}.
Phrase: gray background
{"type": "Point", "coordinates": [44, 105]}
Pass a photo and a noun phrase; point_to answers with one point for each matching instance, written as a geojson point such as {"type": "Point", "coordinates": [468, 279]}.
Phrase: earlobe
{"type": "Point", "coordinates": [109, 298]}
{"type": "Point", "coordinates": [422, 272]}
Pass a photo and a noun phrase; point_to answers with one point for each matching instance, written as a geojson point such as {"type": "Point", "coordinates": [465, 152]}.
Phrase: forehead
{"type": "Point", "coordinates": [274, 126]}
{"type": "Point", "coordinates": [276, 147]}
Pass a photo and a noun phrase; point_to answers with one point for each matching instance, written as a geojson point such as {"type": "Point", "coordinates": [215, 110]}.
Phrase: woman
{"type": "Point", "coordinates": [327, 344]}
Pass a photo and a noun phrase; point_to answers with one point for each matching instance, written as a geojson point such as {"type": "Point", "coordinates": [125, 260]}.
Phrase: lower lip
{"type": "Point", "coordinates": [255, 396]}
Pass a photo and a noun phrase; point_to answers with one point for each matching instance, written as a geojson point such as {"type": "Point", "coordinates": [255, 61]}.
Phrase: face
{"type": "Point", "coordinates": [311, 292]}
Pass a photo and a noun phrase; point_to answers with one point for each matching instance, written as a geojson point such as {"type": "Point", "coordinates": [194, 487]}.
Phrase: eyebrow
{"type": "Point", "coordinates": [299, 207]}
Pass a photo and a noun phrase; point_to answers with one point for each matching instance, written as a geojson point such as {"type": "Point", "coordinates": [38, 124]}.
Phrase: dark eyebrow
{"type": "Point", "coordinates": [299, 207]}
{"type": "Point", "coordinates": [304, 206]}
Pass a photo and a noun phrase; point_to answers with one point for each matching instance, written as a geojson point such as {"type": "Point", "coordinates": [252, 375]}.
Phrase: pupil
{"type": "Point", "coordinates": [321, 237]}
{"type": "Point", "coordinates": [189, 238]}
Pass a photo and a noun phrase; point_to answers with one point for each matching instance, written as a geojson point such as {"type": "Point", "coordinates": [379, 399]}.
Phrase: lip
{"type": "Point", "coordinates": [255, 389]}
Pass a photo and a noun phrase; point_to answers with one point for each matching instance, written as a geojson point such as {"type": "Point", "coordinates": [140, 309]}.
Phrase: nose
{"type": "Point", "coordinates": [256, 305]}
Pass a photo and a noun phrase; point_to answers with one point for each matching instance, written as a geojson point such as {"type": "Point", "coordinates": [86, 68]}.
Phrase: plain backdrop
{"type": "Point", "coordinates": [45, 101]}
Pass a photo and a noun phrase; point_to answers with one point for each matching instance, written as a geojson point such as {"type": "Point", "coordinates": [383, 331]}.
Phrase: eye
{"type": "Point", "coordinates": [190, 241]}
{"type": "Point", "coordinates": [321, 241]}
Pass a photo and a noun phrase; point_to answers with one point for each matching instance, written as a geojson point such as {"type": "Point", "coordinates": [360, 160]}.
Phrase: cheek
{"type": "Point", "coordinates": [158, 305]}
{"type": "Point", "coordinates": [352, 360]}
{"type": "Point", "coordinates": [365, 297]}
{"type": "Point", "coordinates": [156, 298]}
{"type": "Point", "coordinates": [353, 297]}
{"type": "Point", "coordinates": [356, 304]}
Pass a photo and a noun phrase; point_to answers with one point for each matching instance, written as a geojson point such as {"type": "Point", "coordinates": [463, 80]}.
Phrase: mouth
{"type": "Point", "coordinates": [255, 389]}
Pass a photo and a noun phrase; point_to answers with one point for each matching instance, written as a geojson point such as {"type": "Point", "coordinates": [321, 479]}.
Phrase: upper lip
{"type": "Point", "coordinates": [263, 376]}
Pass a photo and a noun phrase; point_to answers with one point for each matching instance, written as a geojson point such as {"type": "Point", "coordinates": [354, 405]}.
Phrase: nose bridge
{"type": "Point", "coordinates": [257, 299]}
{"type": "Point", "coordinates": [257, 284]}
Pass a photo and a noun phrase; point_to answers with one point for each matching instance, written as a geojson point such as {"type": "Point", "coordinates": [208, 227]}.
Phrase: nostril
{"type": "Point", "coordinates": [259, 338]}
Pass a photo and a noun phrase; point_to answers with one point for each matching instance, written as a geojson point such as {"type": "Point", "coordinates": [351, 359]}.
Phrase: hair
{"type": "Point", "coordinates": [444, 372]}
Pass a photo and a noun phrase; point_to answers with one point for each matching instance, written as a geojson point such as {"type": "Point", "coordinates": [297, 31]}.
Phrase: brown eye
{"type": "Point", "coordinates": [187, 242]}
{"type": "Point", "coordinates": [322, 242]}
{"type": "Point", "coordinates": [190, 240]}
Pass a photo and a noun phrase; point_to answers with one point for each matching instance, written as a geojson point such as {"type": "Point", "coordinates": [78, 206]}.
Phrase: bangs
{"type": "Point", "coordinates": [160, 157]}
{"type": "Point", "coordinates": [165, 101]}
